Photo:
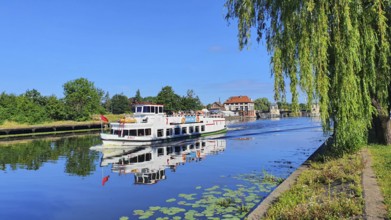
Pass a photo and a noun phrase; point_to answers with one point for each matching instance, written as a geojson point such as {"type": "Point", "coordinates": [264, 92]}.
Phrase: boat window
{"type": "Point", "coordinates": [132, 132]}
{"type": "Point", "coordinates": [140, 132]}
{"type": "Point", "coordinates": [111, 131]}
{"type": "Point", "coordinates": [168, 132]}
{"type": "Point", "coordinates": [169, 150]}
{"type": "Point", "coordinates": [147, 109]}
{"type": "Point", "coordinates": [177, 130]}
{"type": "Point", "coordinates": [148, 157]}
{"type": "Point", "coordinates": [202, 127]}
{"type": "Point", "coordinates": [147, 132]}
{"type": "Point", "coordinates": [160, 109]}
{"type": "Point", "coordinates": [133, 160]}
{"type": "Point", "coordinates": [126, 132]}
{"type": "Point", "coordinates": [156, 109]}
{"type": "Point", "coordinates": [177, 149]}
{"type": "Point", "coordinates": [203, 144]}
{"type": "Point", "coordinates": [191, 129]}
{"type": "Point", "coordinates": [139, 109]}
{"type": "Point", "coordinates": [184, 148]}
{"type": "Point", "coordinates": [184, 130]}
{"type": "Point", "coordinates": [191, 147]}
{"type": "Point", "coordinates": [197, 129]}
{"type": "Point", "coordinates": [160, 132]}
{"type": "Point", "coordinates": [161, 174]}
{"type": "Point", "coordinates": [141, 158]}
{"type": "Point", "coordinates": [160, 152]}
{"type": "Point", "coordinates": [197, 145]}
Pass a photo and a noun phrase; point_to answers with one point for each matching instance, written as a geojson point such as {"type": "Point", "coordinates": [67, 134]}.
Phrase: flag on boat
{"type": "Point", "coordinates": [103, 118]}
{"type": "Point", "coordinates": [105, 179]}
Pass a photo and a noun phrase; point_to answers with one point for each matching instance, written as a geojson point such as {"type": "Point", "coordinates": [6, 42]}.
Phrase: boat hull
{"type": "Point", "coordinates": [107, 141]}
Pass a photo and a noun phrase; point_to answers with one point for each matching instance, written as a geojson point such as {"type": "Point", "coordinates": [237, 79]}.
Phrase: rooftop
{"type": "Point", "coordinates": [238, 99]}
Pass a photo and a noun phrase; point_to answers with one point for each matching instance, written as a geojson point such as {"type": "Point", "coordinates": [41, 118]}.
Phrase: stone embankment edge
{"type": "Point", "coordinates": [260, 211]}
{"type": "Point", "coordinates": [35, 131]}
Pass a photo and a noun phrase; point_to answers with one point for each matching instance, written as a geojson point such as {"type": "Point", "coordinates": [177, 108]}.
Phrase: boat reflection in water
{"type": "Point", "coordinates": [148, 163]}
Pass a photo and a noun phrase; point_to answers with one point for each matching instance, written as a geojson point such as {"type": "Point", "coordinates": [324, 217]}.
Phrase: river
{"type": "Point", "coordinates": [215, 177]}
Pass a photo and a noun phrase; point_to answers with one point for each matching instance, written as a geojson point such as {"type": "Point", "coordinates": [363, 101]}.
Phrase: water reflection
{"type": "Point", "coordinates": [148, 164]}
{"type": "Point", "coordinates": [32, 155]}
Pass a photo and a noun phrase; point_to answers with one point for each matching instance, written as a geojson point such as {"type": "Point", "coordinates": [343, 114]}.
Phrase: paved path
{"type": "Point", "coordinates": [374, 201]}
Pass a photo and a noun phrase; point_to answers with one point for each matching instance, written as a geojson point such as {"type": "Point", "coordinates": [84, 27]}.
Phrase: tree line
{"type": "Point", "coordinates": [81, 100]}
{"type": "Point", "coordinates": [120, 103]}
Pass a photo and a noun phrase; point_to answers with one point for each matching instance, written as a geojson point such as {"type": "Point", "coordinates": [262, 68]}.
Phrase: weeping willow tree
{"type": "Point", "coordinates": [336, 51]}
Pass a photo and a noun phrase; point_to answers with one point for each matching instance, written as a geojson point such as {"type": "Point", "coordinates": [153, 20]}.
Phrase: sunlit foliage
{"type": "Point", "coordinates": [337, 52]}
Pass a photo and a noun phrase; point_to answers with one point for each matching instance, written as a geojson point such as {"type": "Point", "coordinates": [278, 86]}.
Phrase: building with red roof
{"type": "Point", "coordinates": [240, 104]}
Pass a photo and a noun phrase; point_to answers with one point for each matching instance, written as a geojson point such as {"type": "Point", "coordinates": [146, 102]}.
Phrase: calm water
{"type": "Point", "coordinates": [63, 178]}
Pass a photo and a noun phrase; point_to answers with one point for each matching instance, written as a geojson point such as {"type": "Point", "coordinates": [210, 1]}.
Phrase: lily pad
{"type": "Point", "coordinates": [172, 210]}
{"type": "Point", "coordinates": [138, 212]}
{"type": "Point", "coordinates": [171, 200]}
{"type": "Point", "coordinates": [187, 196]}
{"type": "Point", "coordinates": [212, 188]}
{"type": "Point", "coordinates": [154, 208]}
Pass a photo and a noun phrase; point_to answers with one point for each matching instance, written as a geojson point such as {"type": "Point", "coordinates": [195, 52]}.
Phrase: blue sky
{"type": "Point", "coordinates": [125, 45]}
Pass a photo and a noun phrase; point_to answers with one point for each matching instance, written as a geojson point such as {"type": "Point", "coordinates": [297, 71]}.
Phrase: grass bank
{"type": "Point", "coordinates": [381, 156]}
{"type": "Point", "coordinates": [329, 189]}
{"type": "Point", "coordinates": [94, 119]}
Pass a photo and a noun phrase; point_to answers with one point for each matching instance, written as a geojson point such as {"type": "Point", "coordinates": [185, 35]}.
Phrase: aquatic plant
{"type": "Point", "coordinates": [267, 177]}
{"type": "Point", "coordinates": [217, 201]}
{"type": "Point", "coordinates": [225, 202]}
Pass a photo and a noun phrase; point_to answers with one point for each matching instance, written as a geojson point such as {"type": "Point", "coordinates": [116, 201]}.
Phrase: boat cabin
{"type": "Point", "coordinates": [148, 109]}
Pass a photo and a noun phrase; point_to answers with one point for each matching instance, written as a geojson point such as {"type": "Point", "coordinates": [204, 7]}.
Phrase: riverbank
{"type": "Point", "coordinates": [14, 131]}
{"type": "Point", "coordinates": [327, 187]}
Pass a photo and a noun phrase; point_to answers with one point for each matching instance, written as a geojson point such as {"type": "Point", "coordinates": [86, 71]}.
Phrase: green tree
{"type": "Point", "coordinates": [82, 99]}
{"type": "Point", "coordinates": [137, 97]}
{"type": "Point", "coordinates": [149, 99]}
{"type": "Point", "coordinates": [55, 108]}
{"type": "Point", "coordinates": [6, 106]}
{"type": "Point", "coordinates": [191, 101]}
{"type": "Point", "coordinates": [107, 102]}
{"type": "Point", "coordinates": [169, 99]}
{"type": "Point", "coordinates": [304, 107]}
{"type": "Point", "coordinates": [262, 104]}
{"type": "Point", "coordinates": [35, 97]}
{"type": "Point", "coordinates": [337, 51]}
{"type": "Point", "coordinates": [120, 104]}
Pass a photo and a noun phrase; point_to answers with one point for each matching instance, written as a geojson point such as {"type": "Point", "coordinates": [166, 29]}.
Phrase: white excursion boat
{"type": "Point", "coordinates": [148, 164]}
{"type": "Point", "coordinates": [150, 124]}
